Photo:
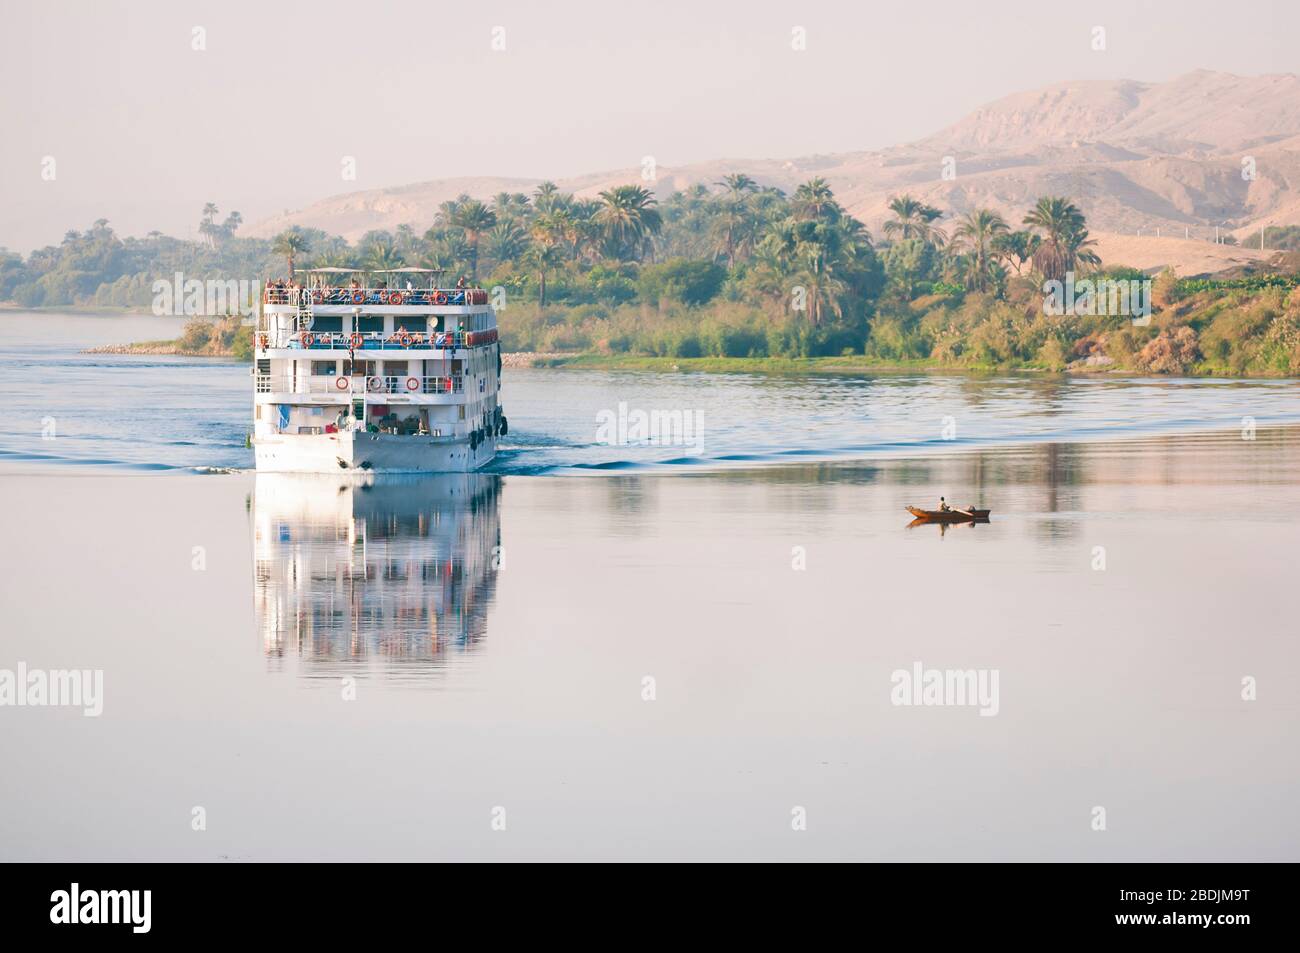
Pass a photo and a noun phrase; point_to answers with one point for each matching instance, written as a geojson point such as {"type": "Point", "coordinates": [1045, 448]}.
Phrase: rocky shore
{"type": "Point", "coordinates": [157, 348]}
{"type": "Point", "coordinates": [529, 358]}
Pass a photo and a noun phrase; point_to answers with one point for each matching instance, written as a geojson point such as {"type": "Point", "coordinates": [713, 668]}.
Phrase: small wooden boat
{"type": "Point", "coordinates": [954, 515]}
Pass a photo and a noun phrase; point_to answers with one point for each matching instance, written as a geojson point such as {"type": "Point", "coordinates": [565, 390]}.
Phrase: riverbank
{"type": "Point", "coordinates": [845, 364]}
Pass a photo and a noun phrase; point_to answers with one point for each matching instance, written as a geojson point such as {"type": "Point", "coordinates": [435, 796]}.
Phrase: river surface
{"type": "Point", "coordinates": [142, 412]}
{"type": "Point", "coordinates": [637, 651]}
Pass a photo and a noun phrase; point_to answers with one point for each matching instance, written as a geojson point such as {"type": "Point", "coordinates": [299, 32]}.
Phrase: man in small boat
{"type": "Point", "coordinates": [943, 506]}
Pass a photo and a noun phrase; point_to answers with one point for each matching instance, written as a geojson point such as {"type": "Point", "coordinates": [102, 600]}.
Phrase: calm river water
{"type": "Point", "coordinates": [653, 652]}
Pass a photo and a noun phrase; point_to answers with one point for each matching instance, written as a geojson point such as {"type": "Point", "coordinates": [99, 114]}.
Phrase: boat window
{"type": "Point", "coordinates": [413, 323]}
{"type": "Point", "coordinates": [370, 324]}
{"type": "Point", "coordinates": [324, 368]}
{"type": "Point", "coordinates": [327, 324]}
{"type": "Point", "coordinates": [394, 368]}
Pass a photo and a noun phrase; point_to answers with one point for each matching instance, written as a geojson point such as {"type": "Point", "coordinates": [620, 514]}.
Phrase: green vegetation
{"type": "Point", "coordinates": [738, 273]}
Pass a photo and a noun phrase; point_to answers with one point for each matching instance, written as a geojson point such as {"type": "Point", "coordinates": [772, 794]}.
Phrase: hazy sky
{"type": "Point", "coordinates": [144, 129]}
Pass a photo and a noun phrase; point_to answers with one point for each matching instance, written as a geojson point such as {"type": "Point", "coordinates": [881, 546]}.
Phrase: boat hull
{"type": "Point", "coordinates": [949, 516]}
{"type": "Point", "coordinates": [369, 452]}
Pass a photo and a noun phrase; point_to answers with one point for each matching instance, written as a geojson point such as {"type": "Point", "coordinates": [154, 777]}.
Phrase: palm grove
{"type": "Point", "coordinates": [735, 270]}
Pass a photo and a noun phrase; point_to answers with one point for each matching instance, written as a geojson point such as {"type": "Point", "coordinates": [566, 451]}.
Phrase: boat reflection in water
{"type": "Point", "coordinates": [386, 575]}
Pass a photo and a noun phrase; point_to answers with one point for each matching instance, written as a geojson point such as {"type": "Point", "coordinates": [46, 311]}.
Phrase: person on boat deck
{"type": "Point", "coordinates": [341, 421]}
{"type": "Point", "coordinates": [943, 505]}
{"type": "Point", "coordinates": [460, 282]}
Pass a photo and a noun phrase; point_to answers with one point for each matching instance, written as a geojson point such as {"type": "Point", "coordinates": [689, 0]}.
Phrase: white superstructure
{"type": "Point", "coordinates": [375, 375]}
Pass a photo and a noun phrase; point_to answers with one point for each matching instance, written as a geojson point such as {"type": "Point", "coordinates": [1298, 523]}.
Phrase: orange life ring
{"type": "Point", "coordinates": [343, 383]}
{"type": "Point", "coordinates": [307, 338]}
{"type": "Point", "coordinates": [374, 384]}
{"type": "Point", "coordinates": [264, 340]}
{"type": "Point", "coordinates": [439, 298]}
{"type": "Point", "coordinates": [358, 297]}
{"type": "Point", "coordinates": [395, 297]}
{"type": "Point", "coordinates": [412, 383]}
{"type": "Point", "coordinates": [405, 339]}
{"type": "Point", "coordinates": [356, 339]}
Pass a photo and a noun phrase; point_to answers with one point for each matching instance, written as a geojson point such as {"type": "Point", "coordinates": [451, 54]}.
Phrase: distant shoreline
{"type": "Point", "coordinates": [716, 365]}
{"type": "Point", "coordinates": [856, 364]}
{"type": "Point", "coordinates": [107, 309]}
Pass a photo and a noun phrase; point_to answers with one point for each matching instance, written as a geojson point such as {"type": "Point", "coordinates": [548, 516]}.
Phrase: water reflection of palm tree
{"type": "Point", "coordinates": [390, 575]}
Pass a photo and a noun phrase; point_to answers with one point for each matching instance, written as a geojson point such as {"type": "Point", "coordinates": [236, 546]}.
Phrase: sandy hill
{"type": "Point", "coordinates": [1136, 157]}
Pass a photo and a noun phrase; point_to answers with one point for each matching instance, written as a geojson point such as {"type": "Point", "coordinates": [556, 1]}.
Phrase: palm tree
{"type": "Point", "coordinates": [628, 220]}
{"type": "Point", "coordinates": [290, 244]}
{"type": "Point", "coordinates": [815, 252]}
{"type": "Point", "coordinates": [545, 195]}
{"type": "Point", "coordinates": [1065, 244]}
{"type": "Point", "coordinates": [510, 206]}
{"type": "Point", "coordinates": [381, 255]}
{"type": "Point", "coordinates": [814, 198]}
{"type": "Point", "coordinates": [733, 228]}
{"type": "Point", "coordinates": [913, 220]}
{"type": "Point", "coordinates": [231, 224]}
{"type": "Point", "coordinates": [447, 250]}
{"type": "Point", "coordinates": [505, 242]}
{"type": "Point", "coordinates": [543, 259]}
{"type": "Point", "coordinates": [207, 224]}
{"type": "Point", "coordinates": [738, 184]}
{"type": "Point", "coordinates": [332, 258]}
{"type": "Point", "coordinates": [976, 235]}
{"type": "Point", "coordinates": [473, 218]}
{"type": "Point", "coordinates": [550, 228]}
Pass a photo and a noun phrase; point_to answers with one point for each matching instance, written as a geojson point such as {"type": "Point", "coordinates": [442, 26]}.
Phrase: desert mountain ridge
{"type": "Point", "coordinates": [1179, 158]}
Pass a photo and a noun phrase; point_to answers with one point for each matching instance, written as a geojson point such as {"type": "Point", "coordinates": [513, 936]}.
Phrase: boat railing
{"type": "Point", "coordinates": [374, 341]}
{"type": "Point", "coordinates": [361, 297]}
{"type": "Point", "coordinates": [347, 385]}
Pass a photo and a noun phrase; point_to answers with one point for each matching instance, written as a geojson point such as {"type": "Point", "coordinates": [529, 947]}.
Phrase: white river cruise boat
{"type": "Point", "coordinates": [365, 371]}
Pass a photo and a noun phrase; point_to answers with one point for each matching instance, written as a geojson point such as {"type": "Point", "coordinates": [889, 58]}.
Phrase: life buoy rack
{"type": "Point", "coordinates": [307, 339]}
{"type": "Point", "coordinates": [439, 297]}
{"type": "Point", "coordinates": [375, 384]}
{"type": "Point", "coordinates": [395, 297]}
{"type": "Point", "coordinates": [412, 384]}
{"type": "Point", "coordinates": [356, 339]}
{"type": "Point", "coordinates": [343, 383]}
